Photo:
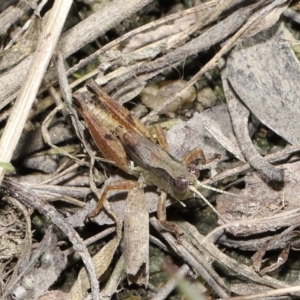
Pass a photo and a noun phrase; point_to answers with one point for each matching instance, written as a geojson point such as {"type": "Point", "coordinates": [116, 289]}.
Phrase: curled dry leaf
{"type": "Point", "coordinates": [257, 259]}
{"type": "Point", "coordinates": [240, 119]}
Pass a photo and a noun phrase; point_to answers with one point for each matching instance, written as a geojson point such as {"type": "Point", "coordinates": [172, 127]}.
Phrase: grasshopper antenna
{"type": "Point", "coordinates": [219, 191]}
{"type": "Point", "coordinates": [181, 203]}
{"type": "Point", "coordinates": [196, 191]}
{"type": "Point", "coordinates": [193, 189]}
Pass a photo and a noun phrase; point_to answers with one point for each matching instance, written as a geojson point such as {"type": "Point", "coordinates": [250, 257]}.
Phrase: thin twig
{"type": "Point", "coordinates": [266, 294]}
{"type": "Point", "coordinates": [165, 291]}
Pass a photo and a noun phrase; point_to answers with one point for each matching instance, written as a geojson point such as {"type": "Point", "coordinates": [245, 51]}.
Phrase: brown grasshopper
{"type": "Point", "coordinates": [122, 139]}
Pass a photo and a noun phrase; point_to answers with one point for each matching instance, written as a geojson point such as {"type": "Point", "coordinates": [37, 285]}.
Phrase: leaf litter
{"type": "Point", "coordinates": [256, 74]}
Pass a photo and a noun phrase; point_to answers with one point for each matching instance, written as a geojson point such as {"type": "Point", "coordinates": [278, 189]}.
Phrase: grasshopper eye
{"type": "Point", "coordinates": [181, 184]}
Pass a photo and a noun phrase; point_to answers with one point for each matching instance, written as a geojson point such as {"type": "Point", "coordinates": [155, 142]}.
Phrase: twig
{"type": "Point", "coordinates": [93, 239]}
{"type": "Point", "coordinates": [273, 158]}
{"type": "Point", "coordinates": [265, 294]}
{"type": "Point", "coordinates": [212, 252]}
{"type": "Point", "coordinates": [166, 290]}
{"type": "Point", "coordinates": [203, 269]}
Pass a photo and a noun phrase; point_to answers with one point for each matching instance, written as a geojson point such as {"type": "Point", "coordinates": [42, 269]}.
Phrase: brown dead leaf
{"type": "Point", "coordinates": [257, 259]}
{"type": "Point", "coordinates": [136, 238]}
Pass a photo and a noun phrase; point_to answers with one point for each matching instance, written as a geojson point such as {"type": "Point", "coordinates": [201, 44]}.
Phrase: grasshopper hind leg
{"type": "Point", "coordinates": [119, 185]}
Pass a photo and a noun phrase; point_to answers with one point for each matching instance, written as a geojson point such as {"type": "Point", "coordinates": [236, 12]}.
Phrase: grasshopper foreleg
{"type": "Point", "coordinates": [162, 217]}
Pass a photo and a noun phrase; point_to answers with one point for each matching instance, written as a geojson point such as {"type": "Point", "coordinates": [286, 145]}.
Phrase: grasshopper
{"type": "Point", "coordinates": [123, 139]}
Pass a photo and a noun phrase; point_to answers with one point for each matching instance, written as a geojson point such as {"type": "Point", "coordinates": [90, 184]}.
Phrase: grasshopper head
{"type": "Point", "coordinates": [180, 185]}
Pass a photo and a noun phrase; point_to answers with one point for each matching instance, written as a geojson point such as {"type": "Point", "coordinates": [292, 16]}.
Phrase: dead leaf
{"type": "Point", "coordinates": [257, 259]}
{"type": "Point", "coordinates": [262, 202]}
{"type": "Point", "coordinates": [136, 238]}
{"type": "Point", "coordinates": [264, 73]}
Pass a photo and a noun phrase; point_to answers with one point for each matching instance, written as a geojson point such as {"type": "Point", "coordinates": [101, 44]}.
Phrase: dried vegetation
{"type": "Point", "coordinates": [221, 75]}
